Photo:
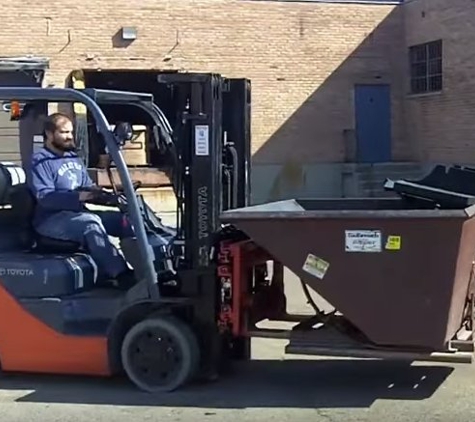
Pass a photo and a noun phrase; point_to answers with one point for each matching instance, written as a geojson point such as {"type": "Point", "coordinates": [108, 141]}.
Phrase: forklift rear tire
{"type": "Point", "coordinates": [160, 354]}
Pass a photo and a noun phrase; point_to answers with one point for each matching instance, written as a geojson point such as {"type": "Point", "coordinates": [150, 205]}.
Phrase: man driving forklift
{"type": "Point", "coordinates": [61, 186]}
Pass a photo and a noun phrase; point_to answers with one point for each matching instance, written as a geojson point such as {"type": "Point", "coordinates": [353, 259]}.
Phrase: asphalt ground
{"type": "Point", "coordinates": [271, 387]}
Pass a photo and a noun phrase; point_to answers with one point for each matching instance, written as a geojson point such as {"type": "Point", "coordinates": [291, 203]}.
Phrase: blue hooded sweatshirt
{"type": "Point", "coordinates": [53, 180]}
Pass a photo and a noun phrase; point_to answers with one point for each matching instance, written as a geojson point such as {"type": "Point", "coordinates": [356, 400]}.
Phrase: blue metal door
{"type": "Point", "coordinates": [373, 123]}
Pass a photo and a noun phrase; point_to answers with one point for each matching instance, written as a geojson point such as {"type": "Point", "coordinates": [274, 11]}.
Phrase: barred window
{"type": "Point", "coordinates": [426, 67]}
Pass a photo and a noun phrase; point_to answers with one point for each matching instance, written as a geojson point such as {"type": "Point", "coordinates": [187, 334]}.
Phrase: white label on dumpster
{"type": "Point", "coordinates": [363, 241]}
{"type": "Point", "coordinates": [315, 266]}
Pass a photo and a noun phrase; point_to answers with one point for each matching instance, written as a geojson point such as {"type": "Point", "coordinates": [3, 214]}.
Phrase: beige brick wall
{"type": "Point", "coordinates": [442, 125]}
{"type": "Point", "coordinates": [303, 59]}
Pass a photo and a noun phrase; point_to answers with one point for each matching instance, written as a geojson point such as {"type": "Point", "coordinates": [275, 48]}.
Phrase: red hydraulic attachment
{"type": "Point", "coordinates": [247, 294]}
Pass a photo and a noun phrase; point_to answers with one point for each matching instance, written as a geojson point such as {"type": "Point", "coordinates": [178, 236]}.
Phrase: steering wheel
{"type": "Point", "coordinates": [101, 196]}
{"type": "Point", "coordinates": [136, 185]}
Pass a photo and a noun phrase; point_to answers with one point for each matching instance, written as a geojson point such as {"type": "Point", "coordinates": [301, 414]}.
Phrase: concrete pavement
{"type": "Point", "coordinates": [272, 387]}
{"type": "Point", "coordinates": [263, 390]}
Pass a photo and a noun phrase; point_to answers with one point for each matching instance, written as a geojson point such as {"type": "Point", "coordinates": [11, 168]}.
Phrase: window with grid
{"type": "Point", "coordinates": [426, 67]}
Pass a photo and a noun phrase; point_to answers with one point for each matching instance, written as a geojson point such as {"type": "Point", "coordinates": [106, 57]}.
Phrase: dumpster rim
{"type": "Point", "coordinates": [241, 214]}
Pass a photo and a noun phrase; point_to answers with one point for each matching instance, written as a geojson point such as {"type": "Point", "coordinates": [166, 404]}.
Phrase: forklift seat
{"type": "Point", "coordinates": [10, 175]}
{"type": "Point", "coordinates": [49, 245]}
{"type": "Point", "coordinates": [5, 182]}
{"type": "Point", "coordinates": [23, 205]}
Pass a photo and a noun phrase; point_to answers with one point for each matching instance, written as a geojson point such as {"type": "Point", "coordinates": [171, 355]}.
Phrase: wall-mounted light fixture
{"type": "Point", "coordinates": [128, 33]}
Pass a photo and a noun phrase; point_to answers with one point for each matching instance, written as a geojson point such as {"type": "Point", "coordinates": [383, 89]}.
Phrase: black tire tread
{"type": "Point", "coordinates": [186, 338]}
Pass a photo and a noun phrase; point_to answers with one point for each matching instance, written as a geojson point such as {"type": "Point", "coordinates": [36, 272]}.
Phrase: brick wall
{"type": "Point", "coordinates": [442, 124]}
{"type": "Point", "coordinates": [303, 59]}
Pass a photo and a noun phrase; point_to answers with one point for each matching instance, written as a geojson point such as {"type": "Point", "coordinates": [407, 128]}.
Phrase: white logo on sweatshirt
{"type": "Point", "coordinates": [70, 165]}
{"type": "Point", "coordinates": [69, 170]}
{"type": "Point", "coordinates": [73, 180]}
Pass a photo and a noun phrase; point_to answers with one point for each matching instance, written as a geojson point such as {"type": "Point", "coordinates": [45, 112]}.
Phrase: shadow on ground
{"type": "Point", "coordinates": [264, 384]}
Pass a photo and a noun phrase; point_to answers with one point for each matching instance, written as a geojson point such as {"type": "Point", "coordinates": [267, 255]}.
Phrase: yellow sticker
{"type": "Point", "coordinates": [393, 243]}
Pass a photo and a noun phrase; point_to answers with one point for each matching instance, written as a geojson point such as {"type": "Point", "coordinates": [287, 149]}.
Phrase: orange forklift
{"type": "Point", "coordinates": [56, 315]}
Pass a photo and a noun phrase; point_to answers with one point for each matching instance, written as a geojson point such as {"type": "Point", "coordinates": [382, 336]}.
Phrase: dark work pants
{"type": "Point", "coordinates": [91, 229]}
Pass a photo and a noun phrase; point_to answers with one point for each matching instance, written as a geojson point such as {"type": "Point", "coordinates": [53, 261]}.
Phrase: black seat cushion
{"type": "Point", "coordinates": [49, 244]}
{"type": "Point", "coordinates": [5, 184]}
{"type": "Point", "coordinates": [23, 204]}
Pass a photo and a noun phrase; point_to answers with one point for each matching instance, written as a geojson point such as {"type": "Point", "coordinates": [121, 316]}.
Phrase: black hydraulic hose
{"type": "Point", "coordinates": [309, 298]}
{"type": "Point", "coordinates": [228, 178]}
{"type": "Point", "coordinates": [235, 172]}
{"type": "Point", "coordinates": [164, 121]}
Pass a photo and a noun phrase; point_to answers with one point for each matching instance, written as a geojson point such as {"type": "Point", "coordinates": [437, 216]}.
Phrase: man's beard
{"type": "Point", "coordinates": [62, 147]}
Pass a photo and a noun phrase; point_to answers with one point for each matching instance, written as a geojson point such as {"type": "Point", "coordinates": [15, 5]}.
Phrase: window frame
{"type": "Point", "coordinates": [426, 67]}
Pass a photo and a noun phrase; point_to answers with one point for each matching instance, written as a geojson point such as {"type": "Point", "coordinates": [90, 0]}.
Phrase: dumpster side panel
{"type": "Point", "coordinates": [465, 262]}
{"type": "Point", "coordinates": [408, 293]}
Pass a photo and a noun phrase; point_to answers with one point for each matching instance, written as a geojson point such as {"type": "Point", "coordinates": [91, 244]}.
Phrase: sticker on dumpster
{"type": "Point", "coordinates": [363, 241]}
{"type": "Point", "coordinates": [393, 243]}
{"type": "Point", "coordinates": [316, 266]}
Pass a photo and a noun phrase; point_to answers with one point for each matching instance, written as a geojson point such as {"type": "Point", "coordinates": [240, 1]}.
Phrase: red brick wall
{"type": "Point", "coordinates": [303, 59]}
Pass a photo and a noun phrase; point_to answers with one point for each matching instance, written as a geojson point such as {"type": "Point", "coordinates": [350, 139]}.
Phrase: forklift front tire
{"type": "Point", "coordinates": [160, 354]}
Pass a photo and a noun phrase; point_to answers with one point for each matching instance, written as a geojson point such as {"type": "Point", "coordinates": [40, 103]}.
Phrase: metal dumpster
{"type": "Point", "coordinates": [399, 270]}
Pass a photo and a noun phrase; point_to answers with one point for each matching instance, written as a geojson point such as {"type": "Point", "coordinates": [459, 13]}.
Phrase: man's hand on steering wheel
{"type": "Point", "coordinates": [96, 195]}
{"type": "Point", "coordinates": [86, 195]}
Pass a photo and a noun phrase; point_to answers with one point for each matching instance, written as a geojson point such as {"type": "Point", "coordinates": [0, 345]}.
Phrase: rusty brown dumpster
{"type": "Point", "coordinates": [400, 274]}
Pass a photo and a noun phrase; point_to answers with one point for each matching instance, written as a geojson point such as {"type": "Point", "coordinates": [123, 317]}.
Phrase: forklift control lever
{"type": "Point", "coordinates": [136, 185]}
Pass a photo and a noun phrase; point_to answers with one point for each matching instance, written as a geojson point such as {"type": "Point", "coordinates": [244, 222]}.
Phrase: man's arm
{"type": "Point", "coordinates": [43, 188]}
{"type": "Point", "coordinates": [87, 181]}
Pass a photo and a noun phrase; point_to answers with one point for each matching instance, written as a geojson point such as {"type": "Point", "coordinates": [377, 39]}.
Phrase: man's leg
{"type": "Point", "coordinates": [87, 229]}
{"type": "Point", "coordinates": [115, 223]}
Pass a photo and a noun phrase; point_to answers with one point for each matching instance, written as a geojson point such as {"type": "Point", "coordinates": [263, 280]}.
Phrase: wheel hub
{"type": "Point", "coordinates": [156, 356]}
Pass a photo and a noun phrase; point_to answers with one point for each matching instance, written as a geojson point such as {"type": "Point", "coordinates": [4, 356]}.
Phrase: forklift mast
{"type": "Point", "coordinates": [212, 136]}
{"type": "Point", "coordinates": [237, 128]}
